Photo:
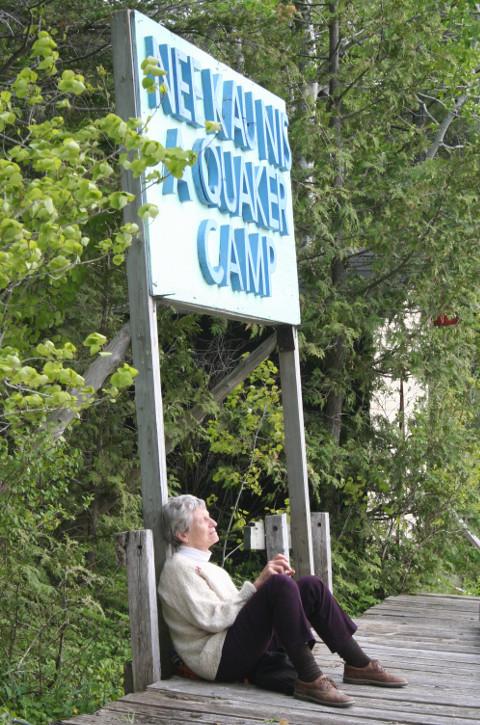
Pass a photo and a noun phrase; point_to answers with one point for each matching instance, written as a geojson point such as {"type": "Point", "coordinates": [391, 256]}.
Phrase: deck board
{"type": "Point", "coordinates": [434, 640]}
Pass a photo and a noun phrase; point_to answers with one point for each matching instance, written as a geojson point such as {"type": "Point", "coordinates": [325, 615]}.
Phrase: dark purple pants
{"type": "Point", "coordinates": [282, 611]}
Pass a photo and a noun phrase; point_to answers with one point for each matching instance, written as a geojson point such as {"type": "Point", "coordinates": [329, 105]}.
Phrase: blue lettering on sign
{"type": "Point", "coordinates": [197, 90]}
{"type": "Point", "coordinates": [180, 94]}
{"type": "Point", "coordinates": [184, 187]}
{"type": "Point", "coordinates": [246, 200]}
{"type": "Point", "coordinates": [267, 130]}
{"type": "Point", "coordinates": [240, 188]}
{"type": "Point", "coordinates": [194, 95]}
{"type": "Point", "coordinates": [233, 113]}
{"type": "Point", "coordinates": [251, 188]}
{"type": "Point", "coordinates": [183, 74]}
{"type": "Point", "coordinates": [207, 173]}
{"type": "Point", "coordinates": [250, 121]}
{"type": "Point", "coordinates": [229, 194]}
{"type": "Point", "coordinates": [213, 274]}
{"type": "Point", "coordinates": [167, 96]}
{"type": "Point", "coordinates": [232, 257]}
{"type": "Point", "coordinates": [213, 99]}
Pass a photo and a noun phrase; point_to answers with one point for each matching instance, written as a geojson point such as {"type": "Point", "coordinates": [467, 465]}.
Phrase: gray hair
{"type": "Point", "coordinates": [177, 517]}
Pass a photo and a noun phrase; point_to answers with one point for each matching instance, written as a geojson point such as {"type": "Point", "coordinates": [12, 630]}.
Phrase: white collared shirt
{"type": "Point", "coordinates": [196, 554]}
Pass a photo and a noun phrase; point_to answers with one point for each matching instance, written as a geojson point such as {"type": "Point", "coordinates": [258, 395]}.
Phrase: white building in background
{"type": "Point", "coordinates": [393, 398]}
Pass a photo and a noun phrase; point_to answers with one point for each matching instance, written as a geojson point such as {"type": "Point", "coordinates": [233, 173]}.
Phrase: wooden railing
{"type": "Point", "coordinates": [273, 536]}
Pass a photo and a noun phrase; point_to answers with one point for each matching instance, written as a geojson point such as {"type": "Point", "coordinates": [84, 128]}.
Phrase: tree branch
{"type": "Point", "coordinates": [220, 391]}
{"type": "Point", "coordinates": [95, 376]}
{"type": "Point", "coordinates": [444, 126]}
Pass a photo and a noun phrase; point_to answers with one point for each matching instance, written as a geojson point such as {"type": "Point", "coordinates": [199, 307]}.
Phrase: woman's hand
{"type": "Point", "coordinates": [278, 565]}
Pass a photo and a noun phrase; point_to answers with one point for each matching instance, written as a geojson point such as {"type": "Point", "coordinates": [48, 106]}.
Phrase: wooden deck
{"type": "Point", "coordinates": [433, 640]}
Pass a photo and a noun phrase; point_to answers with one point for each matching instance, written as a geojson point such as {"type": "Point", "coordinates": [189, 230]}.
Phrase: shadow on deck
{"type": "Point", "coordinates": [434, 640]}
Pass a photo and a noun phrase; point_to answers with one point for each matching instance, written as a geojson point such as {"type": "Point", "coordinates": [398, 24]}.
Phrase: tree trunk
{"type": "Point", "coordinates": [336, 357]}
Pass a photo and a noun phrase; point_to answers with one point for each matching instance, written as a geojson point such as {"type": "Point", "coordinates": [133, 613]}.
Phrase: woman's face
{"type": "Point", "coordinates": [202, 533]}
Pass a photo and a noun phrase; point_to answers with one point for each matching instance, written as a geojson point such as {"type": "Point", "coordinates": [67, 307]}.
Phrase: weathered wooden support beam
{"type": "Point", "coordinates": [220, 391]}
{"type": "Point", "coordinates": [276, 536]}
{"type": "Point", "coordinates": [322, 553]}
{"type": "Point", "coordinates": [135, 549]}
{"type": "Point", "coordinates": [295, 449]}
{"type": "Point", "coordinates": [143, 325]}
{"type": "Point", "coordinates": [94, 377]}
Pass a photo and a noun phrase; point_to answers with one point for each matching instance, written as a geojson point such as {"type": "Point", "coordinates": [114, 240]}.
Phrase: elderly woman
{"type": "Point", "coordinates": [221, 632]}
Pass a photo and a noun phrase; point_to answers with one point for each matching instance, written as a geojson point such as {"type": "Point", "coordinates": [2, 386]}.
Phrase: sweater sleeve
{"type": "Point", "coordinates": [196, 598]}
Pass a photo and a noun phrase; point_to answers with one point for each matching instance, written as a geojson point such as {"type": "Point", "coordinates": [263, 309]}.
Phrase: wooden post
{"type": "Point", "coordinates": [276, 535]}
{"type": "Point", "coordinates": [137, 550]}
{"type": "Point", "coordinates": [254, 536]}
{"type": "Point", "coordinates": [300, 525]}
{"type": "Point", "coordinates": [143, 327]}
{"type": "Point", "coordinates": [322, 554]}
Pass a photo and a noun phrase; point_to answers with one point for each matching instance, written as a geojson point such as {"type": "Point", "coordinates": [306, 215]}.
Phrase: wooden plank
{"type": "Point", "coordinates": [421, 613]}
{"type": "Point", "coordinates": [443, 597]}
{"type": "Point", "coordinates": [460, 611]}
{"type": "Point", "coordinates": [393, 625]}
{"type": "Point", "coordinates": [322, 553]}
{"type": "Point", "coordinates": [463, 651]}
{"type": "Point", "coordinates": [404, 662]}
{"type": "Point", "coordinates": [433, 597]}
{"type": "Point", "coordinates": [240, 692]}
{"type": "Point", "coordinates": [276, 536]}
{"type": "Point", "coordinates": [423, 607]}
{"type": "Point", "coordinates": [143, 326]}
{"type": "Point", "coordinates": [450, 605]}
{"type": "Point", "coordinates": [432, 639]}
{"type": "Point", "coordinates": [183, 711]}
{"type": "Point", "coordinates": [142, 606]}
{"type": "Point", "coordinates": [256, 704]}
{"type": "Point", "coordinates": [262, 702]}
{"type": "Point", "coordinates": [419, 623]}
{"type": "Point", "coordinates": [414, 705]}
{"type": "Point", "coordinates": [295, 449]}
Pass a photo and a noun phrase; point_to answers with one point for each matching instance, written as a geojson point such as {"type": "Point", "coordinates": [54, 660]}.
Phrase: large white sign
{"type": "Point", "coordinates": [223, 241]}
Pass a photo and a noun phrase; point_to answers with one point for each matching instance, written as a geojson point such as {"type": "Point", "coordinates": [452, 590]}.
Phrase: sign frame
{"type": "Point", "coordinates": [223, 242]}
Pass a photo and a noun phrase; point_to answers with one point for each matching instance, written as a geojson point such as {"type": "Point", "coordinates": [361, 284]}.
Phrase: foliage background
{"type": "Point", "coordinates": [383, 104]}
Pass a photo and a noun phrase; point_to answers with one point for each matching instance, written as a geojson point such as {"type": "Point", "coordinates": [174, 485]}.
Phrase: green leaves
{"type": "Point", "coordinates": [123, 377]}
{"type": "Point", "coordinates": [212, 127]}
{"type": "Point", "coordinates": [150, 66]}
{"type": "Point", "coordinates": [119, 199]}
{"type": "Point", "coordinates": [25, 87]}
{"type": "Point", "coordinates": [72, 83]}
{"type": "Point", "coordinates": [152, 73]}
{"type": "Point", "coordinates": [45, 47]}
{"type": "Point", "coordinates": [95, 341]}
{"type": "Point", "coordinates": [148, 211]}
{"type": "Point", "coordinates": [59, 181]}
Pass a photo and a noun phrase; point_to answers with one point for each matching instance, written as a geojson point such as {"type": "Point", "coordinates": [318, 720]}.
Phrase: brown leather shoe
{"type": "Point", "coordinates": [372, 674]}
{"type": "Point", "coordinates": [323, 691]}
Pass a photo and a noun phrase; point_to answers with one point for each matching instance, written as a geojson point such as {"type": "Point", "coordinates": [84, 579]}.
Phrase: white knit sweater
{"type": "Point", "coordinates": [199, 603]}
